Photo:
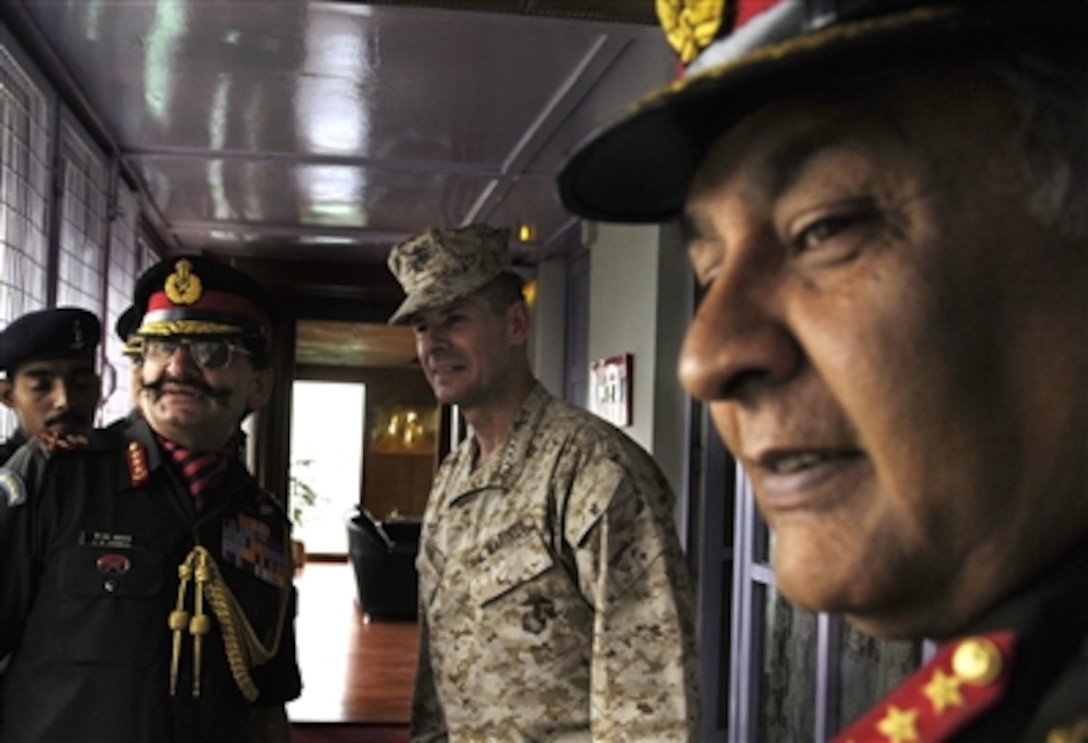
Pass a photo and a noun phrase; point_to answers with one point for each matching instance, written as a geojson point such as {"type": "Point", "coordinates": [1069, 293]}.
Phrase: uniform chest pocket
{"type": "Point", "coordinates": [111, 606]}
{"type": "Point", "coordinates": [527, 602]}
{"type": "Point", "coordinates": [508, 564]}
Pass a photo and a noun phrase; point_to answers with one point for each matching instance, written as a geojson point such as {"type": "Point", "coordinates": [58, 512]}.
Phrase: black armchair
{"type": "Point", "coordinates": [383, 556]}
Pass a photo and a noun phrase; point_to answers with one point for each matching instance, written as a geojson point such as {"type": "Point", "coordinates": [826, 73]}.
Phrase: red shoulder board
{"type": "Point", "coordinates": [137, 463]}
{"type": "Point", "coordinates": [52, 441]}
{"type": "Point", "coordinates": [967, 677]}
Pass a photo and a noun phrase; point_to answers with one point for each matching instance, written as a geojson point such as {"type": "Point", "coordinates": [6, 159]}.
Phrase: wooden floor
{"type": "Point", "coordinates": [356, 675]}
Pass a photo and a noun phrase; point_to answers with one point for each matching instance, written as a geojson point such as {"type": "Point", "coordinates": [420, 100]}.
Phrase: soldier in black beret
{"type": "Point", "coordinates": [167, 569]}
{"type": "Point", "coordinates": [51, 382]}
{"type": "Point", "coordinates": [885, 203]}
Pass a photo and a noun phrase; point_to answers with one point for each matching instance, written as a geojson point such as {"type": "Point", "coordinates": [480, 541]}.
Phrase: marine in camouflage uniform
{"type": "Point", "coordinates": [555, 603]}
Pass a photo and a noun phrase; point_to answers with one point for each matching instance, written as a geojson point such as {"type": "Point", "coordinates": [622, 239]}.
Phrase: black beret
{"type": "Point", "coordinates": [58, 333]}
{"type": "Point", "coordinates": [195, 295]}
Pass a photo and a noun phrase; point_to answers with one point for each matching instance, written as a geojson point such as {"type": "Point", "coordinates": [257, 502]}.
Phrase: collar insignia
{"type": "Point", "coordinates": [52, 441]}
{"type": "Point", "coordinates": [137, 463]}
{"type": "Point", "coordinates": [964, 679]}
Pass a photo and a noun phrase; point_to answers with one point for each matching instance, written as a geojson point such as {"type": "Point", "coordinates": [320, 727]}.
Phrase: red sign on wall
{"type": "Point", "coordinates": [610, 388]}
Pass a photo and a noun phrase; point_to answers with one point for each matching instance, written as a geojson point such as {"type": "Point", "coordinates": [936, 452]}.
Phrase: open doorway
{"type": "Point", "coordinates": [326, 461]}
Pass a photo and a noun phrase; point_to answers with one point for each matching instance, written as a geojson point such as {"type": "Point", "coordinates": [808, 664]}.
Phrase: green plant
{"type": "Point", "coordinates": [302, 495]}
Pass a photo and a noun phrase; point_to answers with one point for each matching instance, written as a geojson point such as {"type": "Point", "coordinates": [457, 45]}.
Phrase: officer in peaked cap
{"type": "Point", "coordinates": [199, 296]}
{"type": "Point", "coordinates": [51, 382]}
{"type": "Point", "coordinates": [885, 204]}
{"type": "Point", "coordinates": [188, 561]}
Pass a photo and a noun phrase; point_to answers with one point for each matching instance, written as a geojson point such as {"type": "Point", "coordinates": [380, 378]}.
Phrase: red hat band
{"type": "Point", "coordinates": [212, 313]}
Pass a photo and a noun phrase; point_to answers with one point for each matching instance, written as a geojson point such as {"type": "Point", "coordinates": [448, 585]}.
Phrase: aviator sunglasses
{"type": "Point", "coordinates": [214, 353]}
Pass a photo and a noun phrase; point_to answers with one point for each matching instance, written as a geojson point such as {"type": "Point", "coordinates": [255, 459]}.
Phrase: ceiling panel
{"type": "Point", "coordinates": [311, 195]}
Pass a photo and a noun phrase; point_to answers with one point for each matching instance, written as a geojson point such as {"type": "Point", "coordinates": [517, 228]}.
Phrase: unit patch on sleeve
{"type": "Point", "coordinates": [12, 488]}
{"type": "Point", "coordinates": [249, 546]}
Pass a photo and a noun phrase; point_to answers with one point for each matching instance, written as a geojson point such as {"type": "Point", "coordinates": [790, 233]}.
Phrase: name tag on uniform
{"type": "Point", "coordinates": [249, 546]}
{"type": "Point", "coordinates": [108, 540]}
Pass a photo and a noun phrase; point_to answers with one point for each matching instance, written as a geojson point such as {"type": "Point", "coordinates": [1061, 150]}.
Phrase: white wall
{"type": "Point", "coordinates": [639, 304]}
{"type": "Point", "coordinates": [547, 349]}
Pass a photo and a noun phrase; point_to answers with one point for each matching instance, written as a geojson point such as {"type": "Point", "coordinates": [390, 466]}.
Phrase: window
{"type": "Point", "coordinates": [80, 280]}
{"type": "Point", "coordinates": [798, 675]}
{"type": "Point", "coordinates": [24, 196]}
{"type": "Point", "coordinates": [75, 222]}
{"type": "Point", "coordinates": [326, 461]}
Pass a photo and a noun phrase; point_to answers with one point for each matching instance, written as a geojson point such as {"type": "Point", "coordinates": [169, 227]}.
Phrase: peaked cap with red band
{"type": "Point", "coordinates": [194, 295]}
{"type": "Point", "coordinates": [743, 54]}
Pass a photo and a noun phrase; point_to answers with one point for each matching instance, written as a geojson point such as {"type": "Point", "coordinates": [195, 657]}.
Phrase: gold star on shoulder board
{"type": "Point", "coordinates": [899, 726]}
{"type": "Point", "coordinates": [943, 691]}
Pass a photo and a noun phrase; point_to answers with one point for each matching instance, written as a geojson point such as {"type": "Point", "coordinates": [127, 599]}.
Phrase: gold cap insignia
{"type": "Point", "coordinates": [690, 25]}
{"type": "Point", "coordinates": [183, 286]}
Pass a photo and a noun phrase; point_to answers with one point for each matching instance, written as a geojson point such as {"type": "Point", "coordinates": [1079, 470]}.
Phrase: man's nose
{"type": "Point", "coordinates": [61, 397]}
{"type": "Point", "coordinates": [181, 362]}
{"type": "Point", "coordinates": [737, 341]}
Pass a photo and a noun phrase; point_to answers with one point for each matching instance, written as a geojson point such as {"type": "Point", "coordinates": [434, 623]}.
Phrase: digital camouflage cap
{"type": "Point", "coordinates": [441, 266]}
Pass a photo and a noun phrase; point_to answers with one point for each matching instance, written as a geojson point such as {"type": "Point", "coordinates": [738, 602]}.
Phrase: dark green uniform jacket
{"type": "Point", "coordinates": [1019, 674]}
{"type": "Point", "coordinates": [11, 446]}
{"type": "Point", "coordinates": [90, 543]}
{"type": "Point", "coordinates": [1046, 697]}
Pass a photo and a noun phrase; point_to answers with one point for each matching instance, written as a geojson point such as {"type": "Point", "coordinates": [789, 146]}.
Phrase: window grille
{"type": "Point", "coordinates": [80, 280]}
{"type": "Point", "coordinates": [24, 197]}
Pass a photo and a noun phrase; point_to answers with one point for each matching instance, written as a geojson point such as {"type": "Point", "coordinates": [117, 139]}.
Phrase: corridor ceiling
{"type": "Point", "coordinates": [325, 132]}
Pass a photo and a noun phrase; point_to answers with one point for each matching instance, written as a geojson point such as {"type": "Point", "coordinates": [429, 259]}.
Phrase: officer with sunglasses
{"type": "Point", "coordinates": [145, 577]}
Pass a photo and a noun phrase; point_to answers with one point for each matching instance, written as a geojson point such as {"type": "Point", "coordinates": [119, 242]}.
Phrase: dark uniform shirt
{"type": "Point", "coordinates": [1025, 679]}
{"type": "Point", "coordinates": [89, 556]}
{"type": "Point", "coordinates": [1046, 697]}
{"type": "Point", "coordinates": [11, 446]}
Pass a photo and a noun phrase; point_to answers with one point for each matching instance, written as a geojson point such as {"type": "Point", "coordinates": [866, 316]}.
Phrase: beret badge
{"type": "Point", "coordinates": [77, 336]}
{"type": "Point", "coordinates": [183, 286]}
{"type": "Point", "coordinates": [690, 25]}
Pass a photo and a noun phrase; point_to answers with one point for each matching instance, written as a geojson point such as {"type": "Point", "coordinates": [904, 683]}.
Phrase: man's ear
{"type": "Point", "coordinates": [260, 389]}
{"type": "Point", "coordinates": [519, 322]}
{"type": "Point", "coordinates": [7, 393]}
